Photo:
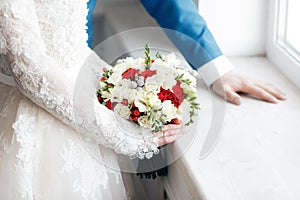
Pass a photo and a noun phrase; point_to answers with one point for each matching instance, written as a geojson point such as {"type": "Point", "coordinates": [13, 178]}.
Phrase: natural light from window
{"type": "Point", "coordinates": [288, 30]}
{"type": "Point", "coordinates": [283, 41]}
{"type": "Point", "coordinates": [293, 25]}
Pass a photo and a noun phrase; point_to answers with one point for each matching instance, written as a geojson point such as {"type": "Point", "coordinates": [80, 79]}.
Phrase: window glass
{"type": "Point", "coordinates": [293, 25]}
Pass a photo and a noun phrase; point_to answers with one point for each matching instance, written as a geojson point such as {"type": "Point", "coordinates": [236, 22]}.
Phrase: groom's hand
{"type": "Point", "coordinates": [231, 83]}
{"type": "Point", "coordinates": [169, 133]}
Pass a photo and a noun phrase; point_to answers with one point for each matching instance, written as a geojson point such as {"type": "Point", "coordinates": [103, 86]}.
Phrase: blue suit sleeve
{"type": "Point", "coordinates": [185, 28]}
{"type": "Point", "coordinates": [91, 5]}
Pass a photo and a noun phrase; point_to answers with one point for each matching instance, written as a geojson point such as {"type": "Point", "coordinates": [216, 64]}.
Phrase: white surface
{"type": "Point", "coordinates": [257, 157]}
{"type": "Point", "coordinates": [238, 26]}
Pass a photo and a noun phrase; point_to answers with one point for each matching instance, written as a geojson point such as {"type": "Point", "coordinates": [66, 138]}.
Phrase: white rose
{"type": "Point", "coordinates": [155, 79]}
{"type": "Point", "coordinates": [139, 63]}
{"type": "Point", "coordinates": [168, 83]}
{"type": "Point", "coordinates": [129, 61]}
{"type": "Point", "coordinates": [125, 83]}
{"type": "Point", "coordinates": [161, 67]}
{"type": "Point", "coordinates": [152, 100]}
{"type": "Point", "coordinates": [115, 78]}
{"type": "Point", "coordinates": [152, 86]}
{"type": "Point", "coordinates": [165, 75]}
{"type": "Point", "coordinates": [118, 94]}
{"type": "Point", "coordinates": [129, 94]}
{"type": "Point", "coordinates": [144, 122]}
{"type": "Point", "coordinates": [120, 68]}
{"type": "Point", "coordinates": [122, 111]}
{"type": "Point", "coordinates": [172, 60]}
{"type": "Point", "coordinates": [105, 95]}
{"type": "Point", "coordinates": [169, 110]}
{"type": "Point", "coordinates": [132, 96]}
{"type": "Point", "coordinates": [140, 105]}
{"type": "Point", "coordinates": [146, 100]}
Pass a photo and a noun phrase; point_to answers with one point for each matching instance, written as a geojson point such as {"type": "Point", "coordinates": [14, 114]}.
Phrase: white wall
{"type": "Point", "coordinates": [239, 26]}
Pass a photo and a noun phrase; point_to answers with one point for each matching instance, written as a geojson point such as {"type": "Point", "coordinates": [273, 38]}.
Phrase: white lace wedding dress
{"type": "Point", "coordinates": [43, 46]}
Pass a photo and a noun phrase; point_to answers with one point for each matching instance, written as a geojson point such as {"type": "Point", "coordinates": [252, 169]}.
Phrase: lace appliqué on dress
{"type": "Point", "coordinates": [40, 72]}
{"type": "Point", "coordinates": [92, 174]}
{"type": "Point", "coordinates": [25, 169]}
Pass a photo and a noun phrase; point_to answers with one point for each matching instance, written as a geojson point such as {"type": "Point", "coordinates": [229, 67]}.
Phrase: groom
{"type": "Point", "coordinates": [196, 43]}
{"type": "Point", "coordinates": [206, 57]}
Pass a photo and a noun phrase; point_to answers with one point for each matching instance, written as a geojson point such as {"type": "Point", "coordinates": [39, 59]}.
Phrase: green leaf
{"type": "Point", "coordinates": [193, 98]}
{"type": "Point", "coordinates": [158, 55]}
{"type": "Point", "coordinates": [147, 56]}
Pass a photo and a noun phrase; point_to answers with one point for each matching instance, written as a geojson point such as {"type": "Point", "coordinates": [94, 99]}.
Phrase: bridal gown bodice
{"type": "Point", "coordinates": [42, 154]}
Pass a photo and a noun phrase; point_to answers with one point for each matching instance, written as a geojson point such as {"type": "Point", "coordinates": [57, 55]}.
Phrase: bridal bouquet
{"type": "Point", "coordinates": [149, 92]}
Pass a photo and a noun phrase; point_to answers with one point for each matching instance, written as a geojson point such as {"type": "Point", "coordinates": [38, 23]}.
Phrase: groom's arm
{"type": "Point", "coordinates": [191, 36]}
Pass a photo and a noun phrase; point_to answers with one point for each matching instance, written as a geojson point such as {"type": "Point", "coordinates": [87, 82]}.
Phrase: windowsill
{"type": "Point", "coordinates": [257, 156]}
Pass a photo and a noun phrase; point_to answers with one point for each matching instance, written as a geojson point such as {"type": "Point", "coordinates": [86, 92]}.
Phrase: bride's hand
{"type": "Point", "coordinates": [168, 133]}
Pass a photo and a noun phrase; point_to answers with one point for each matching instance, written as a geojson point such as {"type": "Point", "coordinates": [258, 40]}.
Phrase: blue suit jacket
{"type": "Point", "coordinates": [183, 25]}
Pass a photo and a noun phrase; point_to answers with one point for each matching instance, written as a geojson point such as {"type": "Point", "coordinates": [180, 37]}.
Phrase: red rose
{"type": "Point", "coordinates": [129, 73]}
{"type": "Point", "coordinates": [176, 98]}
{"type": "Point", "coordinates": [176, 88]}
{"type": "Point", "coordinates": [164, 94]}
{"type": "Point", "coordinates": [136, 112]}
{"type": "Point", "coordinates": [99, 98]}
{"type": "Point", "coordinates": [152, 61]}
{"type": "Point", "coordinates": [133, 118]}
{"type": "Point", "coordinates": [108, 105]}
{"type": "Point", "coordinates": [176, 102]}
{"type": "Point", "coordinates": [178, 91]}
{"type": "Point", "coordinates": [148, 73]}
{"type": "Point", "coordinates": [103, 79]}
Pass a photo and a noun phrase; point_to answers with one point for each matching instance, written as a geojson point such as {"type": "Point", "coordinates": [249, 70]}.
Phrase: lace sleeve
{"type": "Point", "coordinates": [39, 77]}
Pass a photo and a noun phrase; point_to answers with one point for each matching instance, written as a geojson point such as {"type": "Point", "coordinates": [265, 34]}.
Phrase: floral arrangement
{"type": "Point", "coordinates": [149, 92]}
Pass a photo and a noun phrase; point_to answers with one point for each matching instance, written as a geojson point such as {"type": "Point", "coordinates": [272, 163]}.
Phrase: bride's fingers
{"type": "Point", "coordinates": [172, 127]}
{"type": "Point", "coordinates": [158, 134]}
{"type": "Point", "coordinates": [165, 133]}
{"type": "Point", "coordinates": [166, 140]}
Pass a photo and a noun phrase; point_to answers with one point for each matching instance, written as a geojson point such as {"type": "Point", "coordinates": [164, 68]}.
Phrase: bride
{"type": "Point", "coordinates": [43, 46]}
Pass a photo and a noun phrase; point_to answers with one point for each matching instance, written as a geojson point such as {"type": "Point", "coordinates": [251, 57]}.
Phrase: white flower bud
{"type": "Point", "coordinates": [133, 84]}
{"type": "Point", "coordinates": [140, 82]}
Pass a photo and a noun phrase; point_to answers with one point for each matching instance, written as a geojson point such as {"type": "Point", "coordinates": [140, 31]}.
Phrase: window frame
{"type": "Point", "coordinates": [277, 51]}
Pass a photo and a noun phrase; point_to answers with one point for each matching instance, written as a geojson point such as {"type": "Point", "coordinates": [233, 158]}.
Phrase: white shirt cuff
{"type": "Point", "coordinates": [214, 69]}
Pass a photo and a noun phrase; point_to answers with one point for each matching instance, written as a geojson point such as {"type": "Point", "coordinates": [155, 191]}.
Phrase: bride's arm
{"type": "Point", "coordinates": [39, 77]}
